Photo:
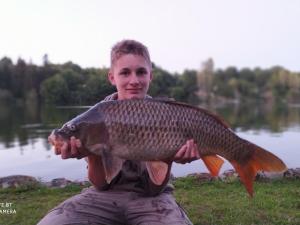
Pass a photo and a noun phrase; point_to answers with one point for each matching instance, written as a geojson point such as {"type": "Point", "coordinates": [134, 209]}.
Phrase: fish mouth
{"type": "Point", "coordinates": [56, 139]}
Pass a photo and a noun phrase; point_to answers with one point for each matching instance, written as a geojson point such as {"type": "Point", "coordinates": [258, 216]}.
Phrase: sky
{"type": "Point", "coordinates": [180, 34]}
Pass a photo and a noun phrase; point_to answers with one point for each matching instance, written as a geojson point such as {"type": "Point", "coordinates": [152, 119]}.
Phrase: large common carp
{"type": "Point", "coordinates": [153, 130]}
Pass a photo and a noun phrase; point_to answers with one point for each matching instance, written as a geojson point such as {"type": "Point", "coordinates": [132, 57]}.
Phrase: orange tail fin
{"type": "Point", "coordinates": [261, 160]}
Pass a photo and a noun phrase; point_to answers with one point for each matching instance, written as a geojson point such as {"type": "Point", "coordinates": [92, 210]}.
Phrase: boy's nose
{"type": "Point", "coordinates": [134, 79]}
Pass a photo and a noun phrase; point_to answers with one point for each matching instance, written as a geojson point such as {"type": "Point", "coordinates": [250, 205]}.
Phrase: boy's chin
{"type": "Point", "coordinates": [135, 96]}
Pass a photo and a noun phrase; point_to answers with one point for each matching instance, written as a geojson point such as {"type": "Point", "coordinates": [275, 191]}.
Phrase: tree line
{"type": "Point", "coordinates": [68, 83]}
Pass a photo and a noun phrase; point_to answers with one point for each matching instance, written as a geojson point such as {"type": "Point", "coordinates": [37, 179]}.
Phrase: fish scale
{"type": "Point", "coordinates": [153, 116]}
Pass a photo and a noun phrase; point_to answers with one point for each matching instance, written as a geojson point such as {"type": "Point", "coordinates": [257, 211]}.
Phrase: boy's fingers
{"type": "Point", "coordinates": [190, 150]}
{"type": "Point", "coordinates": [56, 150]}
{"type": "Point", "coordinates": [181, 152]}
{"type": "Point", "coordinates": [69, 149]}
{"type": "Point", "coordinates": [195, 152]}
{"type": "Point", "coordinates": [187, 153]}
{"type": "Point", "coordinates": [74, 150]}
{"type": "Point", "coordinates": [78, 143]}
{"type": "Point", "coordinates": [65, 151]}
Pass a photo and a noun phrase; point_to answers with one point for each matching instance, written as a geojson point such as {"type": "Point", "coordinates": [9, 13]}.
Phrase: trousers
{"type": "Point", "coordinates": [92, 206]}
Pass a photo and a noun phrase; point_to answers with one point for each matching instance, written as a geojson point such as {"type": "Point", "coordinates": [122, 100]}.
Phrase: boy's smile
{"type": "Point", "coordinates": [131, 74]}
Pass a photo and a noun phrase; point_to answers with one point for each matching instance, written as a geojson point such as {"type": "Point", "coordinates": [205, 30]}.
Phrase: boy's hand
{"type": "Point", "coordinates": [187, 153]}
{"type": "Point", "coordinates": [70, 149]}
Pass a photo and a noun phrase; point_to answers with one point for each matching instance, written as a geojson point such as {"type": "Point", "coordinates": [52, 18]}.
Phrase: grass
{"type": "Point", "coordinates": [32, 203]}
{"type": "Point", "coordinates": [275, 202]}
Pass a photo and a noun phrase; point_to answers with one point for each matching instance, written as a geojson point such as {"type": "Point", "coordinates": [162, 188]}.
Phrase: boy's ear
{"type": "Point", "coordinates": [111, 77]}
{"type": "Point", "coordinates": [151, 76]}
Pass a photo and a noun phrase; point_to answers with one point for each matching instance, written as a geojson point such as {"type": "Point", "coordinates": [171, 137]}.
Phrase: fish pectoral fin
{"type": "Point", "coordinates": [112, 165]}
{"type": "Point", "coordinates": [260, 160]}
{"type": "Point", "coordinates": [97, 148]}
{"type": "Point", "coordinates": [157, 171]}
{"type": "Point", "coordinates": [213, 164]}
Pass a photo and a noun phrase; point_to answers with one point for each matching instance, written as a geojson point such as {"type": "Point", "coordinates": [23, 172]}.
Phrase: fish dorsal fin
{"type": "Point", "coordinates": [157, 171]}
{"type": "Point", "coordinates": [173, 102]}
{"type": "Point", "coordinates": [112, 165]}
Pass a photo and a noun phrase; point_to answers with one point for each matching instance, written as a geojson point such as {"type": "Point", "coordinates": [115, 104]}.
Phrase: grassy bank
{"type": "Point", "coordinates": [275, 202]}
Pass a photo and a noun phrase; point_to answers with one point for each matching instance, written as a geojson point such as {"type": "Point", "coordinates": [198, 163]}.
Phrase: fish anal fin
{"type": "Point", "coordinates": [213, 164]}
{"type": "Point", "coordinates": [112, 165]}
{"type": "Point", "coordinates": [260, 160]}
{"type": "Point", "coordinates": [157, 171]}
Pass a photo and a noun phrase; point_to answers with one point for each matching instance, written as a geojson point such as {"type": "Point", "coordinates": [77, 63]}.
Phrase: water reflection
{"type": "Point", "coordinates": [271, 117]}
{"type": "Point", "coordinates": [21, 124]}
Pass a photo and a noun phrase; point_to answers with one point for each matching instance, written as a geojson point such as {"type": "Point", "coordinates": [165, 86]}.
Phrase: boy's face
{"type": "Point", "coordinates": [131, 74]}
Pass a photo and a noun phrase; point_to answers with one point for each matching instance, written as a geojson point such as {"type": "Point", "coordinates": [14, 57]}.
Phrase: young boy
{"type": "Point", "coordinates": [131, 197]}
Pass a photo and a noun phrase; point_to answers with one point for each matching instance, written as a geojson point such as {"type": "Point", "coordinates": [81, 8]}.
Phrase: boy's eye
{"type": "Point", "coordinates": [124, 72]}
{"type": "Point", "coordinates": [141, 72]}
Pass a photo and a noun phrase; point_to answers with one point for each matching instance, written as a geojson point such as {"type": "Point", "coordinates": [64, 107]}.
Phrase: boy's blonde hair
{"type": "Point", "coordinates": [129, 47]}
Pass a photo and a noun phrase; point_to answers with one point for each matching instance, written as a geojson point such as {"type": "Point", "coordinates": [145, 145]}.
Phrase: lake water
{"type": "Point", "coordinates": [24, 130]}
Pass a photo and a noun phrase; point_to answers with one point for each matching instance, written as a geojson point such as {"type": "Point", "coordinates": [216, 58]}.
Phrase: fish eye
{"type": "Point", "coordinates": [72, 127]}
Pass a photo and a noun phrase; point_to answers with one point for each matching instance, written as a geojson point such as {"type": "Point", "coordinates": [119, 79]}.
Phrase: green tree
{"type": "Point", "coordinates": [280, 83]}
{"type": "Point", "coordinates": [17, 79]}
{"type": "Point", "coordinates": [97, 87]}
{"type": "Point", "coordinates": [205, 79]}
{"type": "Point", "coordinates": [55, 90]}
{"type": "Point", "coordinates": [6, 67]}
{"type": "Point", "coordinates": [162, 83]}
{"type": "Point", "coordinates": [187, 82]}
